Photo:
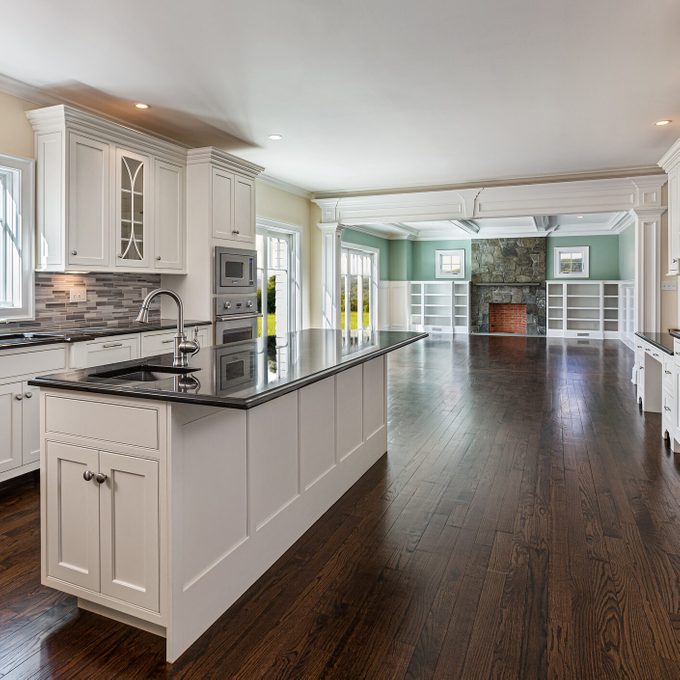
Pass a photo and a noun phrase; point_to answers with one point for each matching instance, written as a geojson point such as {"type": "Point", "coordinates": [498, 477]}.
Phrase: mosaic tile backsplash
{"type": "Point", "coordinates": [111, 298]}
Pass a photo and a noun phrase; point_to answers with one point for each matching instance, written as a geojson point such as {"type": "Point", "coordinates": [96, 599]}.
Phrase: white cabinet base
{"type": "Point", "coordinates": [224, 517]}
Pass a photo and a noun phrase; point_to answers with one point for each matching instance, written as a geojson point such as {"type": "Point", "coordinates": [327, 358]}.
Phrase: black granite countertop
{"type": "Point", "coordinates": [45, 335]}
{"type": "Point", "coordinates": [662, 341]}
{"type": "Point", "coordinates": [245, 374]}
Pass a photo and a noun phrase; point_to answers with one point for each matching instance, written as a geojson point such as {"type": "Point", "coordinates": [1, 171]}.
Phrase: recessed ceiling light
{"type": "Point", "coordinates": [275, 137]}
{"type": "Point", "coordinates": [579, 217]}
{"type": "Point", "coordinates": [662, 122]}
{"type": "Point", "coordinates": [141, 105]}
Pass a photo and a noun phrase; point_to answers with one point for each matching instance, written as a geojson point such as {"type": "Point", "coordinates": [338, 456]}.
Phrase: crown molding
{"type": "Point", "coordinates": [277, 183]}
{"type": "Point", "coordinates": [214, 156]}
{"type": "Point", "coordinates": [27, 92]}
{"type": "Point", "coordinates": [671, 158]}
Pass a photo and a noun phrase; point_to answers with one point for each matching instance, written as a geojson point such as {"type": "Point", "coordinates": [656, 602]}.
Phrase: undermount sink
{"type": "Point", "coordinates": [28, 336]}
{"type": "Point", "coordinates": [144, 372]}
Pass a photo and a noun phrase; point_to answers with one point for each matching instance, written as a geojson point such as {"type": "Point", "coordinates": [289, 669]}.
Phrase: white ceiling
{"type": "Point", "coordinates": [503, 227]}
{"type": "Point", "coordinates": [386, 93]}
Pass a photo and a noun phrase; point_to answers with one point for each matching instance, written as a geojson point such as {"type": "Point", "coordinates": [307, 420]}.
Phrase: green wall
{"type": "Point", "coordinates": [358, 238]}
{"type": "Point", "coordinates": [627, 254]}
{"type": "Point", "coordinates": [604, 254]}
{"type": "Point", "coordinates": [611, 257]}
{"type": "Point", "coordinates": [422, 267]}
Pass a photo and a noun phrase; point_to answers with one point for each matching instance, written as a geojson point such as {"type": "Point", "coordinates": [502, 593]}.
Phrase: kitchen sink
{"type": "Point", "coordinates": [144, 372]}
{"type": "Point", "coordinates": [28, 336]}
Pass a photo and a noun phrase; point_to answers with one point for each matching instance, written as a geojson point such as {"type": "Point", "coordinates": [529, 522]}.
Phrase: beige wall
{"type": "Point", "coordinates": [16, 135]}
{"type": "Point", "coordinates": [275, 204]}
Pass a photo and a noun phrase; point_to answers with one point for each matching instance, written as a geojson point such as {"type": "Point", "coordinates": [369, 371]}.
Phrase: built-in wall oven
{"type": "Point", "coordinates": [235, 270]}
{"type": "Point", "coordinates": [235, 295]}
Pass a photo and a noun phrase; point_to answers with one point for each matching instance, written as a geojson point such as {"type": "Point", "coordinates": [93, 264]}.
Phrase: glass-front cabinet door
{"type": "Point", "coordinates": [132, 182]}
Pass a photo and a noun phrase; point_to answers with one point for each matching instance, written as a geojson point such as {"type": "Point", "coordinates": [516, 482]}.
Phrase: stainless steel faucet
{"type": "Point", "coordinates": [184, 348]}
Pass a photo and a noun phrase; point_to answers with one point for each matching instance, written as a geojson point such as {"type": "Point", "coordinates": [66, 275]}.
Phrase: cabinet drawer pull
{"type": "Point", "coordinates": [18, 397]}
{"type": "Point", "coordinates": [667, 408]}
{"type": "Point", "coordinates": [666, 371]}
{"type": "Point", "coordinates": [28, 395]}
{"type": "Point", "coordinates": [100, 478]}
{"type": "Point", "coordinates": [109, 345]}
{"type": "Point", "coordinates": [165, 342]}
{"type": "Point", "coordinates": [88, 475]}
{"type": "Point", "coordinates": [235, 231]}
{"type": "Point", "coordinates": [158, 258]}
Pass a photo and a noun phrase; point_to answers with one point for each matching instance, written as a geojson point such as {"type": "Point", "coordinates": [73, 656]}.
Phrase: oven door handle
{"type": "Point", "coordinates": [238, 317]}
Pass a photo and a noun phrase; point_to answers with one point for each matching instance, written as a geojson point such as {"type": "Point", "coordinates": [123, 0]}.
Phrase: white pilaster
{"type": "Point", "coordinates": [648, 269]}
{"type": "Point", "coordinates": [331, 236]}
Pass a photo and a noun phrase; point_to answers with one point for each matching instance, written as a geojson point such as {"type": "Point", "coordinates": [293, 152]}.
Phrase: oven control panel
{"type": "Point", "coordinates": [226, 305]}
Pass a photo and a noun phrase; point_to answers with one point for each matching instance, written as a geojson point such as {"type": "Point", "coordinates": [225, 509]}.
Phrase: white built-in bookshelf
{"type": "Point", "coordinates": [440, 306]}
{"type": "Point", "coordinates": [591, 309]}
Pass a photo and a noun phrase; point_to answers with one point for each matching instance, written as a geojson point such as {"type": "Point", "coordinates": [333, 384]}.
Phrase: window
{"type": "Point", "coordinates": [359, 285]}
{"type": "Point", "coordinates": [571, 262]}
{"type": "Point", "coordinates": [16, 238]}
{"type": "Point", "coordinates": [450, 264]}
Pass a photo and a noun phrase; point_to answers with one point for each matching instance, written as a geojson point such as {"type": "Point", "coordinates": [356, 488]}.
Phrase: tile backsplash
{"type": "Point", "coordinates": [111, 298]}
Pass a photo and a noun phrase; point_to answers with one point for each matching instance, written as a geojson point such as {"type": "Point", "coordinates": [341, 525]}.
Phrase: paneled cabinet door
{"type": "Point", "coordinates": [129, 529]}
{"type": "Point", "coordinates": [169, 232]}
{"type": "Point", "coordinates": [244, 209]}
{"type": "Point", "coordinates": [222, 191]}
{"type": "Point", "coordinates": [10, 426]}
{"type": "Point", "coordinates": [88, 202]}
{"type": "Point", "coordinates": [30, 424]}
{"type": "Point", "coordinates": [131, 199]}
{"type": "Point", "coordinates": [674, 220]}
{"type": "Point", "coordinates": [72, 514]}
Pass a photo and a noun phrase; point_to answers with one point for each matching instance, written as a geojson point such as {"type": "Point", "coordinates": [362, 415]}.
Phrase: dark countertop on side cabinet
{"type": "Point", "coordinates": [46, 335]}
{"type": "Point", "coordinates": [662, 341]}
{"type": "Point", "coordinates": [245, 374]}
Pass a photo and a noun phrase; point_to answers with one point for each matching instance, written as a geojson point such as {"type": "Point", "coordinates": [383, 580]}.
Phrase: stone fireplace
{"type": "Point", "coordinates": [508, 271]}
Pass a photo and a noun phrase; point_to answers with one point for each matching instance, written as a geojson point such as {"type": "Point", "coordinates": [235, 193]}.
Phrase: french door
{"type": "Point", "coordinates": [358, 289]}
{"type": "Point", "coordinates": [276, 282]}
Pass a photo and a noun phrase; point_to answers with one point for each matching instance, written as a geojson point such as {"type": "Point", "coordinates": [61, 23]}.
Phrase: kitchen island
{"type": "Point", "coordinates": [165, 496]}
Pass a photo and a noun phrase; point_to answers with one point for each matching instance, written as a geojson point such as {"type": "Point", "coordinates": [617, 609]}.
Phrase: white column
{"type": "Point", "coordinates": [648, 269]}
{"type": "Point", "coordinates": [330, 274]}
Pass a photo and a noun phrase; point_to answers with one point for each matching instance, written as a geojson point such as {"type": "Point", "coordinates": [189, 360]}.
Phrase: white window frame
{"type": "Point", "coordinates": [23, 197]}
{"type": "Point", "coordinates": [584, 251]}
{"type": "Point", "coordinates": [375, 281]}
{"type": "Point", "coordinates": [439, 273]}
{"type": "Point", "coordinates": [266, 227]}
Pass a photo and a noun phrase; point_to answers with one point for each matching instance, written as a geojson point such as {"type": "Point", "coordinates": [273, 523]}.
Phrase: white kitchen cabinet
{"type": "Point", "coordinates": [129, 538]}
{"type": "Point", "coordinates": [72, 503]}
{"type": "Point", "coordinates": [105, 351]}
{"type": "Point", "coordinates": [131, 196]}
{"type": "Point", "coordinates": [88, 202]}
{"type": "Point", "coordinates": [244, 209]}
{"type": "Point", "coordinates": [109, 198]}
{"type": "Point", "coordinates": [671, 164]}
{"type": "Point", "coordinates": [169, 227]}
{"type": "Point", "coordinates": [10, 425]}
{"type": "Point", "coordinates": [222, 204]}
{"type": "Point", "coordinates": [30, 424]}
{"type": "Point", "coordinates": [104, 533]}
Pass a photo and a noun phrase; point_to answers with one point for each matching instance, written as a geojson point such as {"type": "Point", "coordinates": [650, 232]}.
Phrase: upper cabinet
{"type": "Point", "coordinates": [108, 197]}
{"type": "Point", "coordinates": [671, 164]}
{"type": "Point", "coordinates": [227, 185]}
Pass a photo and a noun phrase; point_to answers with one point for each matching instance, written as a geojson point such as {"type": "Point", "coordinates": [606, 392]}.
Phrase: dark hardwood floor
{"type": "Point", "coordinates": [524, 525]}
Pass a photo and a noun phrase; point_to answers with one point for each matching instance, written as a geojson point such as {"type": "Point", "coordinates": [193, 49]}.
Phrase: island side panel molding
{"type": "Point", "coordinates": [349, 412]}
{"type": "Point", "coordinates": [317, 431]}
{"type": "Point", "coordinates": [273, 461]}
{"type": "Point", "coordinates": [373, 397]}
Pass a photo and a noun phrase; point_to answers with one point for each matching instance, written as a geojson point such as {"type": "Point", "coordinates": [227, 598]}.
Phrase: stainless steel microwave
{"type": "Point", "coordinates": [235, 270]}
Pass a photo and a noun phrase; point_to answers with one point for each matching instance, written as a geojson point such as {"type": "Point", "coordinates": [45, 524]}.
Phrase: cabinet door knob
{"type": "Point", "coordinates": [235, 231]}
{"type": "Point", "coordinates": [88, 475]}
{"type": "Point", "coordinates": [675, 260]}
{"type": "Point", "coordinates": [158, 257]}
{"type": "Point", "coordinates": [18, 397]}
{"type": "Point", "coordinates": [666, 408]}
{"type": "Point", "coordinates": [28, 395]}
{"type": "Point", "coordinates": [74, 252]}
{"type": "Point", "coordinates": [100, 478]}
{"type": "Point", "coordinates": [667, 372]}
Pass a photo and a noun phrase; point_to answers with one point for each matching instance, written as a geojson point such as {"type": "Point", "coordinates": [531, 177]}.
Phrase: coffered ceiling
{"type": "Point", "coordinates": [387, 93]}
